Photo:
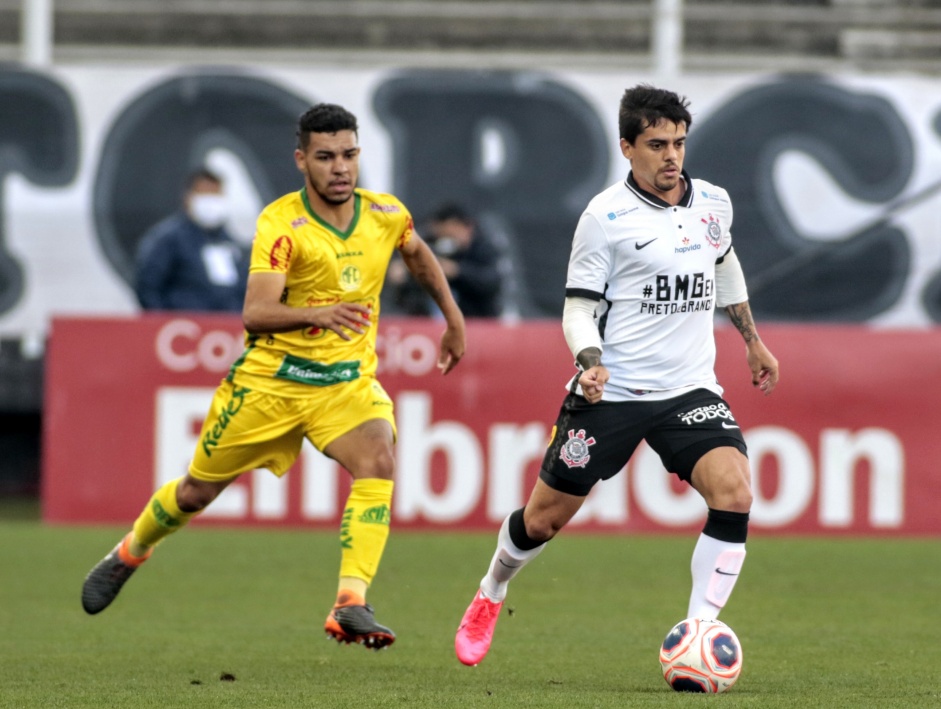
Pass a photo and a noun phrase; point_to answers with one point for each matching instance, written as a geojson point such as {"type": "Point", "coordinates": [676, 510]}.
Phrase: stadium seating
{"type": "Point", "coordinates": [729, 35]}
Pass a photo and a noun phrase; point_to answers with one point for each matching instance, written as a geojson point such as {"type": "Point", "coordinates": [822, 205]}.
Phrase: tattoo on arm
{"type": "Point", "coordinates": [740, 315]}
{"type": "Point", "coordinates": [589, 357]}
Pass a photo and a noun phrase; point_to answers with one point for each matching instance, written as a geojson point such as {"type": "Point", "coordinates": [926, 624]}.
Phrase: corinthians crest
{"type": "Point", "coordinates": [713, 231]}
{"type": "Point", "coordinates": [575, 450]}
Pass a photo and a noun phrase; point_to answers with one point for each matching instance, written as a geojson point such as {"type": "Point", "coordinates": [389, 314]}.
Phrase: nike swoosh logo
{"type": "Point", "coordinates": [646, 243]}
{"type": "Point", "coordinates": [509, 566]}
{"type": "Point", "coordinates": [724, 573]}
{"type": "Point", "coordinates": [728, 425]}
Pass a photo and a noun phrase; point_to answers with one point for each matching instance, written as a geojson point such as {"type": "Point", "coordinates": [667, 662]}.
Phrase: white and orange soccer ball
{"type": "Point", "coordinates": [700, 655]}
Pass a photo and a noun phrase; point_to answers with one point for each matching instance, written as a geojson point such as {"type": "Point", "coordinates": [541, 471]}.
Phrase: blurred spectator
{"type": "Point", "coordinates": [469, 260]}
{"type": "Point", "coordinates": [188, 261]}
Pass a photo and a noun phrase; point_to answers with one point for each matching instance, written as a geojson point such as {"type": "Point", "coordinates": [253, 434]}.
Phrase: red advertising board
{"type": "Point", "coordinates": [845, 445]}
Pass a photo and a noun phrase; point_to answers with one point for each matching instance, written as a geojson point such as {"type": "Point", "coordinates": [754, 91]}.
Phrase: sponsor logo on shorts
{"type": "Point", "coordinates": [575, 450]}
{"type": "Point", "coordinates": [229, 411]}
{"type": "Point", "coordinates": [708, 413]}
{"type": "Point", "coordinates": [297, 369]}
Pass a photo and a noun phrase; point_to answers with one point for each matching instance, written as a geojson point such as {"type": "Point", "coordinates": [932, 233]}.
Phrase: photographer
{"type": "Point", "coordinates": [469, 261]}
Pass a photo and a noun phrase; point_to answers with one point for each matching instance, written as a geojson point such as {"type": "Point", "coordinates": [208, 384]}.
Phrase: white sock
{"type": "Point", "coordinates": [715, 567]}
{"type": "Point", "coordinates": [506, 563]}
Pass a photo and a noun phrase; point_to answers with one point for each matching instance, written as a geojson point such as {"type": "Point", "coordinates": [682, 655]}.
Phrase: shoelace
{"type": "Point", "coordinates": [479, 620]}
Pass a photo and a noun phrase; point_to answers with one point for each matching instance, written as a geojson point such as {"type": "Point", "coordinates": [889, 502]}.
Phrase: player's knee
{"type": "Point", "coordinates": [380, 465]}
{"type": "Point", "coordinates": [542, 529]}
{"type": "Point", "coordinates": [740, 499]}
{"type": "Point", "coordinates": [735, 491]}
{"type": "Point", "coordinates": [195, 495]}
{"type": "Point", "coordinates": [727, 492]}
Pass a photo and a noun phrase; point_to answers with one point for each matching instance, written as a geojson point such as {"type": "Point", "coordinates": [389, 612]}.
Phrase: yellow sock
{"type": "Point", "coordinates": [160, 517]}
{"type": "Point", "coordinates": [365, 528]}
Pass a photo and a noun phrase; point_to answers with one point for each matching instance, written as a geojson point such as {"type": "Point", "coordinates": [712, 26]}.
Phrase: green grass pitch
{"type": "Point", "coordinates": [233, 618]}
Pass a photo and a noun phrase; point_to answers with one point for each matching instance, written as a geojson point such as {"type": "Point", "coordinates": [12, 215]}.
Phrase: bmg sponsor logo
{"type": "Point", "coordinates": [684, 293]}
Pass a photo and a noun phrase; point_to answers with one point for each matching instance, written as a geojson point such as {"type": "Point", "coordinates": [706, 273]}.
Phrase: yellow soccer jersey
{"type": "Point", "coordinates": [323, 266]}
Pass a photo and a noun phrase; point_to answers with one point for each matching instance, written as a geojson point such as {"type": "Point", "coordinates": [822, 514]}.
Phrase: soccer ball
{"type": "Point", "coordinates": [700, 655]}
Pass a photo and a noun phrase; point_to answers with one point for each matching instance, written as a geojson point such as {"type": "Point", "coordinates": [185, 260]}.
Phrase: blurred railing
{"type": "Point", "coordinates": [789, 35]}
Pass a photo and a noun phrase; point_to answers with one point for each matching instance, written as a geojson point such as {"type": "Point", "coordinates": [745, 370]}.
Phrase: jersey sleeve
{"type": "Point", "coordinates": [273, 246]}
{"type": "Point", "coordinates": [390, 216]}
{"type": "Point", "coordinates": [407, 232]}
{"type": "Point", "coordinates": [590, 260]}
{"type": "Point", "coordinates": [406, 227]}
{"type": "Point", "coordinates": [726, 244]}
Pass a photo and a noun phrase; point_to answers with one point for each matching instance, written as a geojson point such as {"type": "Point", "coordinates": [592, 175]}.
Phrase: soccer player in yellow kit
{"type": "Point", "coordinates": [309, 368]}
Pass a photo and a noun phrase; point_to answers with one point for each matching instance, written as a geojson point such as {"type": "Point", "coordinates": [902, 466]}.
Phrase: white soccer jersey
{"type": "Point", "coordinates": [652, 267]}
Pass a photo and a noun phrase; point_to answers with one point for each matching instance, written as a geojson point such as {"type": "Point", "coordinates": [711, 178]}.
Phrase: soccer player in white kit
{"type": "Point", "coordinates": [651, 259]}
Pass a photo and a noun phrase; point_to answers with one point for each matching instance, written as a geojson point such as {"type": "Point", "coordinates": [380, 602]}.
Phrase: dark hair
{"type": "Point", "coordinates": [200, 174]}
{"type": "Point", "coordinates": [450, 210]}
{"type": "Point", "coordinates": [324, 118]}
{"type": "Point", "coordinates": [644, 106]}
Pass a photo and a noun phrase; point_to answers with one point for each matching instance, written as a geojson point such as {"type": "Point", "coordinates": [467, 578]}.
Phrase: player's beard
{"type": "Point", "coordinates": [665, 184]}
{"type": "Point", "coordinates": [330, 199]}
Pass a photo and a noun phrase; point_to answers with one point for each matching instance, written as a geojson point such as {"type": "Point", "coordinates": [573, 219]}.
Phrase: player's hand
{"type": "Point", "coordinates": [452, 348]}
{"type": "Point", "coordinates": [764, 367]}
{"type": "Point", "coordinates": [592, 382]}
{"type": "Point", "coordinates": [342, 317]}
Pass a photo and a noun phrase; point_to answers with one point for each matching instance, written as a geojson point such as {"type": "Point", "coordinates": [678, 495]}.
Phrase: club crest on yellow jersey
{"type": "Point", "coordinates": [350, 277]}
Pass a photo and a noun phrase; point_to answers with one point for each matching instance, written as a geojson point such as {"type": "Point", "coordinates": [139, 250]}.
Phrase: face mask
{"type": "Point", "coordinates": [208, 210]}
{"type": "Point", "coordinates": [445, 246]}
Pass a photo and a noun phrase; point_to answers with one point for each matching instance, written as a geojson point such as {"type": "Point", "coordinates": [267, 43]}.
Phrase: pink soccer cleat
{"type": "Point", "coordinates": [475, 633]}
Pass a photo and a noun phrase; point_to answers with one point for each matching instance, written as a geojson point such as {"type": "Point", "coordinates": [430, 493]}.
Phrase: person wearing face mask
{"type": "Point", "coordinates": [469, 259]}
{"type": "Point", "coordinates": [188, 261]}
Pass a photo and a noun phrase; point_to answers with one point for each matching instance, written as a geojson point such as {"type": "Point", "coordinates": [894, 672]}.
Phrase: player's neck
{"type": "Point", "coordinates": [673, 197]}
{"type": "Point", "coordinates": [339, 216]}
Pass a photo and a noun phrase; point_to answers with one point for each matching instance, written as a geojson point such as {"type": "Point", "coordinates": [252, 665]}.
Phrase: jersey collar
{"type": "Point", "coordinates": [655, 201]}
{"type": "Point", "coordinates": [329, 227]}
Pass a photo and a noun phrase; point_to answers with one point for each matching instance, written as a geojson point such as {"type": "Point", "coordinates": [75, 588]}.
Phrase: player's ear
{"type": "Point", "coordinates": [627, 149]}
{"type": "Point", "coordinates": [299, 160]}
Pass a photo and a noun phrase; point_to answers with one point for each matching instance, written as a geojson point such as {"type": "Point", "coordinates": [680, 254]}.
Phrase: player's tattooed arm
{"type": "Point", "coordinates": [765, 369]}
{"type": "Point", "coordinates": [589, 357]}
{"type": "Point", "coordinates": [741, 317]}
{"type": "Point", "coordinates": [594, 375]}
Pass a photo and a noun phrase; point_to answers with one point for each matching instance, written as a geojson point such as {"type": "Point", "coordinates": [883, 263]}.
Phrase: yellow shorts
{"type": "Point", "coordinates": [248, 429]}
